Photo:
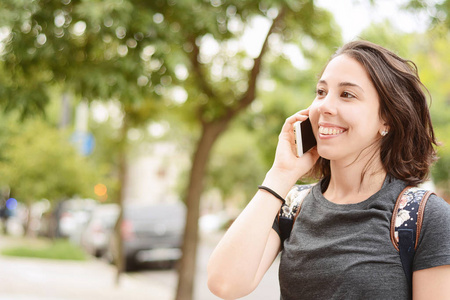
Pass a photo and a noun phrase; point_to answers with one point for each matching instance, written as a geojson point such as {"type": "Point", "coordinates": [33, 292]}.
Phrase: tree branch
{"type": "Point", "coordinates": [250, 94]}
{"type": "Point", "coordinates": [198, 71]}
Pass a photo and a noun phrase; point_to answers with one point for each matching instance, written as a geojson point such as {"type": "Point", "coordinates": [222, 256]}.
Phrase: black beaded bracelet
{"type": "Point", "coordinates": [262, 187]}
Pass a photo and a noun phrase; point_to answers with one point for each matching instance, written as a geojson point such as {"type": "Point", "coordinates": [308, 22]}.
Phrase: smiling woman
{"type": "Point", "coordinates": [374, 137]}
{"type": "Point", "coordinates": [377, 87]}
{"type": "Point", "coordinates": [344, 114]}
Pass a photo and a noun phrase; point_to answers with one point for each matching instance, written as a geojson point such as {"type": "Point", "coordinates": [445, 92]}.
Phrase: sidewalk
{"type": "Point", "coordinates": [42, 279]}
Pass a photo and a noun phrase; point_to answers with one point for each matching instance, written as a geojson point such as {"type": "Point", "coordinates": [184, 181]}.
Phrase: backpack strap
{"type": "Point", "coordinates": [406, 224]}
{"type": "Point", "coordinates": [291, 208]}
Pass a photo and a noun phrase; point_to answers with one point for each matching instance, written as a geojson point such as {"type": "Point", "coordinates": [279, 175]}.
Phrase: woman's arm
{"type": "Point", "coordinates": [250, 245]}
{"type": "Point", "coordinates": [432, 283]}
{"type": "Point", "coordinates": [246, 251]}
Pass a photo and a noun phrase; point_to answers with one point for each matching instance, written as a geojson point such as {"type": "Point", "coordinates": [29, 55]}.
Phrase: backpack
{"type": "Point", "coordinates": [406, 221]}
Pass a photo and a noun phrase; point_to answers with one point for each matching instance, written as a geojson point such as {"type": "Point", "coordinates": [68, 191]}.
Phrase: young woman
{"type": "Point", "coordinates": [374, 137]}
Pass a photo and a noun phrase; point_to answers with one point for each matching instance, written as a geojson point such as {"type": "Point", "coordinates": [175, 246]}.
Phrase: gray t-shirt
{"type": "Point", "coordinates": [345, 251]}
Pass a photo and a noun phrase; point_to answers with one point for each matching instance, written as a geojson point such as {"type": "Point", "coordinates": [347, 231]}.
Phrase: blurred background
{"type": "Point", "coordinates": [133, 132]}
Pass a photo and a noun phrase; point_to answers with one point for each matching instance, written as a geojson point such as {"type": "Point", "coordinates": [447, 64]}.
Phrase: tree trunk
{"type": "Point", "coordinates": [210, 133]}
{"type": "Point", "coordinates": [119, 259]}
{"type": "Point", "coordinates": [27, 232]}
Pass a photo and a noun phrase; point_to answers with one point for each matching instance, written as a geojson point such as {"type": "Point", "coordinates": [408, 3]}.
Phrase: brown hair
{"type": "Point", "coordinates": [407, 151]}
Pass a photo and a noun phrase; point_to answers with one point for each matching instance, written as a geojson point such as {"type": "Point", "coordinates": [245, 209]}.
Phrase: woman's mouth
{"type": "Point", "coordinates": [324, 130]}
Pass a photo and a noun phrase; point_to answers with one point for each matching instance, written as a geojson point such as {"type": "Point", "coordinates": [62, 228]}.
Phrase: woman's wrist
{"type": "Point", "coordinates": [279, 181]}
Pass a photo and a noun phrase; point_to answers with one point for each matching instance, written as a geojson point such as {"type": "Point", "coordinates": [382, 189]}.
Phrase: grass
{"type": "Point", "coordinates": [57, 249]}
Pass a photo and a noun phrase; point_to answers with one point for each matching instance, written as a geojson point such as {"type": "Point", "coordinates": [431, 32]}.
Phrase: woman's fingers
{"type": "Point", "coordinates": [299, 116]}
{"type": "Point", "coordinates": [286, 159]}
{"type": "Point", "coordinates": [287, 131]}
{"type": "Point", "coordinates": [286, 149]}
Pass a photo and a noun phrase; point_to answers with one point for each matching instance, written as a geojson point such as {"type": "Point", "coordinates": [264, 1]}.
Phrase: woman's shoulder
{"type": "Point", "coordinates": [434, 243]}
{"type": "Point", "coordinates": [437, 207]}
{"type": "Point", "coordinates": [436, 219]}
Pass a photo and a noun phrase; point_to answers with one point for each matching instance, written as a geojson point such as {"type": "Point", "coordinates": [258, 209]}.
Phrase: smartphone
{"type": "Point", "coordinates": [304, 136]}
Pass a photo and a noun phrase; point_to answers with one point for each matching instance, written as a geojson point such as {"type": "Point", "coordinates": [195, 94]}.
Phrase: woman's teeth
{"type": "Point", "coordinates": [330, 131]}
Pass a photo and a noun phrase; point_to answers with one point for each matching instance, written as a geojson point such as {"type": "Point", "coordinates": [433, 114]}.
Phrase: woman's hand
{"type": "Point", "coordinates": [286, 163]}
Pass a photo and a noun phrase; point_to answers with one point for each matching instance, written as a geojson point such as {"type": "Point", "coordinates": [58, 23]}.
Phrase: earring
{"type": "Point", "coordinates": [384, 132]}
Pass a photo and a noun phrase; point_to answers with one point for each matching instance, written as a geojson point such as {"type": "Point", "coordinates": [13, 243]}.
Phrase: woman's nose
{"type": "Point", "coordinates": [328, 104]}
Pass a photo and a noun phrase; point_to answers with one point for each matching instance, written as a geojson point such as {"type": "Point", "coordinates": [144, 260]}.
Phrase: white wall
{"type": "Point", "coordinates": [153, 173]}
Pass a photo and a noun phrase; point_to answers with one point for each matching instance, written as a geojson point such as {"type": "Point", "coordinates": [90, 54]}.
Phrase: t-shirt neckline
{"type": "Point", "coordinates": [318, 195]}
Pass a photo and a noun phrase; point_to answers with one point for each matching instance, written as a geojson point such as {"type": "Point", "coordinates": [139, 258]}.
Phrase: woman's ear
{"type": "Point", "coordinates": [384, 130]}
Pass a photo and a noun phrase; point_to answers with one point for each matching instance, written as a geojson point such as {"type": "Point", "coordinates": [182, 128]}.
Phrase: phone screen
{"type": "Point", "coordinates": [304, 137]}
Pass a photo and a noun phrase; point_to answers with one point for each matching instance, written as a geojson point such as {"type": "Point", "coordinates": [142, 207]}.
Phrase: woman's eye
{"type": "Point", "coordinates": [320, 92]}
{"type": "Point", "coordinates": [347, 95]}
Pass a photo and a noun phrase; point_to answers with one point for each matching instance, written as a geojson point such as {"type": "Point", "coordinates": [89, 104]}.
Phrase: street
{"type": "Point", "coordinates": [94, 279]}
{"type": "Point", "coordinates": [268, 288]}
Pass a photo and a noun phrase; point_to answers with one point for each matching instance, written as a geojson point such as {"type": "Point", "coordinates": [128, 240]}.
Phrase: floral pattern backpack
{"type": "Point", "coordinates": [406, 221]}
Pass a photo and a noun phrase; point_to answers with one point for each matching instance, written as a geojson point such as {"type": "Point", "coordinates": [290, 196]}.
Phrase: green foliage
{"type": "Point", "coordinates": [57, 249]}
{"type": "Point", "coordinates": [40, 162]}
{"type": "Point", "coordinates": [128, 50]}
{"type": "Point", "coordinates": [236, 166]}
{"type": "Point", "coordinates": [438, 11]}
{"type": "Point", "coordinates": [434, 63]}
{"type": "Point", "coordinates": [95, 49]}
{"type": "Point", "coordinates": [386, 35]}
{"type": "Point", "coordinates": [217, 82]}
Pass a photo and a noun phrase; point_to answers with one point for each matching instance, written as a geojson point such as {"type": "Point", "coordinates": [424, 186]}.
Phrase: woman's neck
{"type": "Point", "coordinates": [355, 182]}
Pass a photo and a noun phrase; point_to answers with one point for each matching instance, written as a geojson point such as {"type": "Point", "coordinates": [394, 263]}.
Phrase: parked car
{"type": "Point", "coordinates": [151, 233]}
{"type": "Point", "coordinates": [72, 216]}
{"type": "Point", "coordinates": [97, 233]}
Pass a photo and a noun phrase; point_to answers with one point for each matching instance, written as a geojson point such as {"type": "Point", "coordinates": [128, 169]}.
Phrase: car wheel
{"type": "Point", "coordinates": [130, 264]}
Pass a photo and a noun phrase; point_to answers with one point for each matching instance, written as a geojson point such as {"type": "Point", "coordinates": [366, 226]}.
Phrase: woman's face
{"type": "Point", "coordinates": [345, 113]}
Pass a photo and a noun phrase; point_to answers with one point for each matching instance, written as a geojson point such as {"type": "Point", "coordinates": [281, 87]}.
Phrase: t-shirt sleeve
{"type": "Point", "coordinates": [434, 241]}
